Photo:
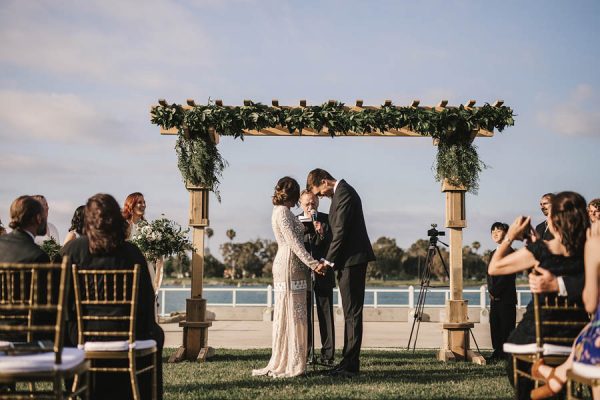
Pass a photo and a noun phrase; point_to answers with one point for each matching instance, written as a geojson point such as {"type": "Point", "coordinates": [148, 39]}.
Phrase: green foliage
{"type": "Point", "coordinates": [249, 259]}
{"type": "Point", "coordinates": [389, 260]}
{"type": "Point", "coordinates": [212, 267]}
{"type": "Point", "coordinates": [177, 266]}
{"type": "Point", "coordinates": [161, 238]}
{"type": "Point", "coordinates": [201, 164]}
{"type": "Point", "coordinates": [51, 248]}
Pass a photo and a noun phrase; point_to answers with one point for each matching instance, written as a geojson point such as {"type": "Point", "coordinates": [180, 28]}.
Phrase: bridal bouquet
{"type": "Point", "coordinates": [161, 238]}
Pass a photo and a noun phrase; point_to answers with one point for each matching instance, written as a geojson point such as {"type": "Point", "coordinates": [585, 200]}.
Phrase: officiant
{"type": "Point", "coordinates": [317, 237]}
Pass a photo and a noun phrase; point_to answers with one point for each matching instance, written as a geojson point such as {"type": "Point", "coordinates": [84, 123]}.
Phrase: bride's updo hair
{"type": "Point", "coordinates": [287, 191]}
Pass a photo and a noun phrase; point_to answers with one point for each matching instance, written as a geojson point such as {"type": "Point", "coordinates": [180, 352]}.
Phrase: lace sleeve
{"type": "Point", "coordinates": [286, 221]}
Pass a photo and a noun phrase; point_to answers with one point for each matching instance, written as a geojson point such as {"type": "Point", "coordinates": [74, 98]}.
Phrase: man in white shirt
{"type": "Point", "coordinates": [51, 231]}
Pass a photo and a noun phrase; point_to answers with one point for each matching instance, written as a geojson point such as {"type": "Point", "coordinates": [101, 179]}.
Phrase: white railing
{"type": "Point", "coordinates": [411, 291]}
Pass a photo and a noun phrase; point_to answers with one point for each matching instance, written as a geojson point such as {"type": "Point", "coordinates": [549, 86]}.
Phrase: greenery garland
{"type": "Point", "coordinates": [457, 160]}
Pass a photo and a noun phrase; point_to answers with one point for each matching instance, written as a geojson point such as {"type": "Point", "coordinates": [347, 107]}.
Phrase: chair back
{"type": "Point", "coordinates": [106, 303]}
{"type": "Point", "coordinates": [554, 314]}
{"type": "Point", "coordinates": [32, 307]}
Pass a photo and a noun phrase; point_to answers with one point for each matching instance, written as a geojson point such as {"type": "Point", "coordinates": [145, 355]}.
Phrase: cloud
{"type": "Point", "coordinates": [576, 116]}
{"type": "Point", "coordinates": [145, 45]}
{"type": "Point", "coordinates": [53, 117]}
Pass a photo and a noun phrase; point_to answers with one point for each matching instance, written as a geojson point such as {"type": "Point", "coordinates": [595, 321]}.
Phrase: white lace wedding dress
{"type": "Point", "coordinates": [289, 281]}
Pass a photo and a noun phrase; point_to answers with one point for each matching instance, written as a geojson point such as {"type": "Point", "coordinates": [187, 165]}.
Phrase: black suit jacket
{"type": "Point", "coordinates": [350, 244]}
{"type": "Point", "coordinates": [18, 247]}
{"type": "Point", "coordinates": [543, 232]}
{"type": "Point", "coordinates": [318, 246]}
{"type": "Point", "coordinates": [502, 288]}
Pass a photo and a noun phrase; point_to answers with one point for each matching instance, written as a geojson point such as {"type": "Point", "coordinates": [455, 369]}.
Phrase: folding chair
{"type": "Point", "coordinates": [106, 304]}
{"type": "Point", "coordinates": [32, 322]}
{"type": "Point", "coordinates": [549, 311]}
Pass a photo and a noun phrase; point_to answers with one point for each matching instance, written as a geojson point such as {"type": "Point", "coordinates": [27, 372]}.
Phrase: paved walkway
{"type": "Point", "coordinates": [377, 335]}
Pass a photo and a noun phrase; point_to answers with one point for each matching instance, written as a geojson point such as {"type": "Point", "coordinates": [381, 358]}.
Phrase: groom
{"type": "Point", "coordinates": [349, 252]}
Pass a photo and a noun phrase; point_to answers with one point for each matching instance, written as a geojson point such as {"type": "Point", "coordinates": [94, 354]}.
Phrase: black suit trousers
{"type": "Point", "coordinates": [351, 281]}
{"type": "Point", "coordinates": [503, 317]}
{"type": "Point", "coordinates": [324, 304]}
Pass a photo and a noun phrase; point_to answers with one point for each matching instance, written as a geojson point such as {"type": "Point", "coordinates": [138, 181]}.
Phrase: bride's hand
{"type": "Point", "coordinates": [519, 228]}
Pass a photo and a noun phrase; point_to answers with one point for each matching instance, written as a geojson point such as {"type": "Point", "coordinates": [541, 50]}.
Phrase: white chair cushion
{"type": "Point", "coordinates": [530, 348]}
{"type": "Point", "coordinates": [556, 350]}
{"type": "Point", "coordinates": [4, 344]}
{"type": "Point", "coordinates": [119, 345]}
{"type": "Point", "coordinates": [586, 370]}
{"type": "Point", "coordinates": [41, 362]}
{"type": "Point", "coordinates": [520, 348]}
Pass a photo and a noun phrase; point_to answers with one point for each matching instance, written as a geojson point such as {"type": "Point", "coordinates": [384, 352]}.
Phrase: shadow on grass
{"type": "Point", "coordinates": [385, 374]}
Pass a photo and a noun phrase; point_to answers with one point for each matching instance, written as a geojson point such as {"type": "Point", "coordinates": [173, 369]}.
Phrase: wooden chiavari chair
{"type": "Point", "coordinates": [98, 292]}
{"type": "Point", "coordinates": [32, 325]}
{"type": "Point", "coordinates": [549, 311]}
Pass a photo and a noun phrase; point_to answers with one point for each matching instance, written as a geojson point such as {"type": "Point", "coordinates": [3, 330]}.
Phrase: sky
{"type": "Point", "coordinates": [77, 80]}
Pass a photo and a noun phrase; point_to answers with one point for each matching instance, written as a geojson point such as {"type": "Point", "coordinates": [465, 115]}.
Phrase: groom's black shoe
{"type": "Point", "coordinates": [342, 373]}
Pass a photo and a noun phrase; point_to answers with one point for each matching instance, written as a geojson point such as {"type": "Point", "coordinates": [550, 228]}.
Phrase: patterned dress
{"type": "Point", "coordinates": [587, 348]}
{"type": "Point", "coordinates": [289, 348]}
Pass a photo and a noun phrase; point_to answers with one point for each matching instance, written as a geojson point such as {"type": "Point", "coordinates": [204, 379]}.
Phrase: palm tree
{"type": "Point", "coordinates": [476, 245]}
{"type": "Point", "coordinates": [209, 233]}
{"type": "Point", "coordinates": [230, 234]}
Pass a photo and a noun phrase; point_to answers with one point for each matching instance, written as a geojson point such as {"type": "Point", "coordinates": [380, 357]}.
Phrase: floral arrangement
{"type": "Point", "coordinates": [51, 247]}
{"type": "Point", "coordinates": [161, 238]}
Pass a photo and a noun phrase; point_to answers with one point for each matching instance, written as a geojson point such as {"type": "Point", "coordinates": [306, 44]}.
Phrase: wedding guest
{"type": "Point", "coordinates": [27, 219]}
{"type": "Point", "coordinates": [133, 212]}
{"type": "Point", "coordinates": [560, 256]}
{"type": "Point", "coordinates": [542, 228]}
{"type": "Point", "coordinates": [503, 299]}
{"type": "Point", "coordinates": [76, 229]}
{"type": "Point", "coordinates": [2, 229]}
{"type": "Point", "coordinates": [50, 232]}
{"type": "Point", "coordinates": [317, 237]}
{"type": "Point", "coordinates": [104, 246]}
{"type": "Point", "coordinates": [594, 210]}
{"type": "Point", "coordinates": [585, 356]}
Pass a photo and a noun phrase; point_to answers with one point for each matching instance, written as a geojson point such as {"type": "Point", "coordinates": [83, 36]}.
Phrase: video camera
{"type": "Point", "coordinates": [434, 232]}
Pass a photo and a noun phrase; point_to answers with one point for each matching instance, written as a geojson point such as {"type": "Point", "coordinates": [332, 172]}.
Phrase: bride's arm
{"type": "Point", "coordinates": [286, 223]}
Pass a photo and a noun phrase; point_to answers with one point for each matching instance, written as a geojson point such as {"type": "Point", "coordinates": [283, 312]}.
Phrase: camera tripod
{"type": "Point", "coordinates": [432, 250]}
{"type": "Point", "coordinates": [425, 278]}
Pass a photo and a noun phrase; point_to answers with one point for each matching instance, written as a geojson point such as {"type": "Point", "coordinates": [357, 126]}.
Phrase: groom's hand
{"type": "Point", "coordinates": [321, 268]}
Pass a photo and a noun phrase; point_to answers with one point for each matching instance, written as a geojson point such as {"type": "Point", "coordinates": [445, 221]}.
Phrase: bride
{"type": "Point", "coordinates": [290, 334]}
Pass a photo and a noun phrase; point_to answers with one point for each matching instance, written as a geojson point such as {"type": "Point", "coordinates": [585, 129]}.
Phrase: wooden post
{"type": "Point", "coordinates": [456, 327]}
{"type": "Point", "coordinates": [195, 327]}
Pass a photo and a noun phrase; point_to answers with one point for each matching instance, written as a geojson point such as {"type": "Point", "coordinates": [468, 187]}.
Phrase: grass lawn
{"type": "Point", "coordinates": [385, 375]}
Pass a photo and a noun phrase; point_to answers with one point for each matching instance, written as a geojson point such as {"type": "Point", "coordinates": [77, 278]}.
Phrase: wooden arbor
{"type": "Point", "coordinates": [456, 327]}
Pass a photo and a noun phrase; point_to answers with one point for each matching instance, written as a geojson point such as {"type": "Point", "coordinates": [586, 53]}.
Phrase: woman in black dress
{"type": "Point", "coordinates": [561, 256]}
{"type": "Point", "coordinates": [104, 246]}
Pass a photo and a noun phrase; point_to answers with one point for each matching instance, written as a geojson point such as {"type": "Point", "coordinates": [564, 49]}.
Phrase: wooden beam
{"type": "Point", "coordinates": [442, 104]}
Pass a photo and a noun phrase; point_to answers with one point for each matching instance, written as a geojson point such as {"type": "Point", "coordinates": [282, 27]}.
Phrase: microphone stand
{"type": "Point", "coordinates": [312, 356]}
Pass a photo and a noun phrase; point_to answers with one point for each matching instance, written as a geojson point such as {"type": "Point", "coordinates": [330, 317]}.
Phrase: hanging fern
{"type": "Point", "coordinates": [457, 160]}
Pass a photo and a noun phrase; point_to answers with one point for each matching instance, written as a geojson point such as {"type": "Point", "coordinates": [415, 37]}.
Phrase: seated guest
{"type": "Point", "coordinates": [503, 299]}
{"type": "Point", "coordinates": [542, 228]}
{"type": "Point", "coordinates": [133, 212]}
{"type": "Point", "coordinates": [104, 246]}
{"type": "Point", "coordinates": [51, 232]}
{"type": "Point", "coordinates": [76, 229]}
{"type": "Point", "coordinates": [585, 357]}
{"type": "Point", "coordinates": [594, 210]}
{"type": "Point", "coordinates": [560, 256]}
{"type": "Point", "coordinates": [27, 218]}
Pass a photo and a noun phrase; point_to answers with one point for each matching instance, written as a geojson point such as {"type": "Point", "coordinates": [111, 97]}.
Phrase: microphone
{"type": "Point", "coordinates": [313, 215]}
